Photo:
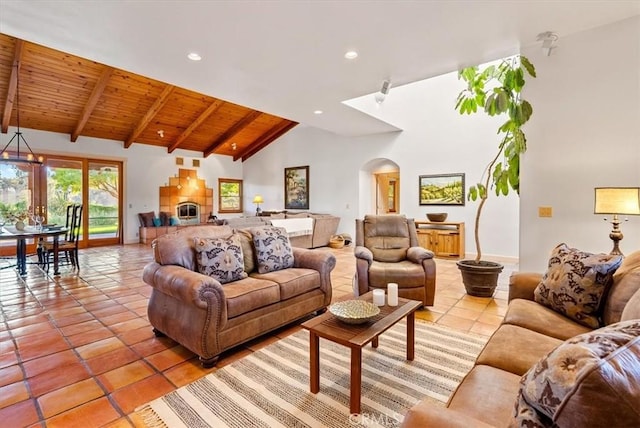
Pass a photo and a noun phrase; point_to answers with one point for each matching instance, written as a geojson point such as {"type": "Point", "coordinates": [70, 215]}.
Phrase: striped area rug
{"type": "Point", "coordinates": [270, 387]}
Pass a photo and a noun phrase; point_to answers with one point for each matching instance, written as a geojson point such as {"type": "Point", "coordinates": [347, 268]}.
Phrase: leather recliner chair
{"type": "Point", "coordinates": [387, 251]}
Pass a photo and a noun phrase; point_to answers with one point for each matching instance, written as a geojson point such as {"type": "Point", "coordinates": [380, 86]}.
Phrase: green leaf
{"type": "Point", "coordinates": [528, 66]}
{"type": "Point", "coordinates": [473, 193]}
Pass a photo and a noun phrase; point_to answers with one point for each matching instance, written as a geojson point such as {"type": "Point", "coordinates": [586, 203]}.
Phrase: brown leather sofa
{"type": "Point", "coordinates": [208, 317]}
{"type": "Point", "coordinates": [387, 250]}
{"type": "Point", "coordinates": [608, 396]}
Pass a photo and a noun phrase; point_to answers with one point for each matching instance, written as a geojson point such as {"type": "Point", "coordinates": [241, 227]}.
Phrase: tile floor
{"type": "Point", "coordinates": [78, 350]}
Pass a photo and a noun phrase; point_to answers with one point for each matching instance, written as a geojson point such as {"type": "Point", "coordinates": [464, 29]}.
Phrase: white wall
{"type": "Point", "coordinates": [584, 134]}
{"type": "Point", "coordinates": [146, 169]}
{"type": "Point", "coordinates": [435, 140]}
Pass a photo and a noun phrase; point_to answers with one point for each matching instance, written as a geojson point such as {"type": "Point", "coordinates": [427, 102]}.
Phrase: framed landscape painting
{"type": "Point", "coordinates": [442, 189]}
{"type": "Point", "coordinates": [296, 188]}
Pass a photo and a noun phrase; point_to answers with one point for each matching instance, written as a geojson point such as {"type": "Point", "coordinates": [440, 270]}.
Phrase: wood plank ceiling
{"type": "Point", "coordinates": [71, 95]}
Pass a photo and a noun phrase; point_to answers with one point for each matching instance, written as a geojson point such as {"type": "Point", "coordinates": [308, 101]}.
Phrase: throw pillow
{"type": "Point", "coordinates": [157, 222]}
{"type": "Point", "coordinates": [174, 221]}
{"type": "Point", "coordinates": [273, 249]}
{"type": "Point", "coordinates": [575, 283]}
{"type": "Point", "coordinates": [220, 258]}
{"type": "Point", "coordinates": [585, 381]}
{"type": "Point", "coordinates": [146, 219]}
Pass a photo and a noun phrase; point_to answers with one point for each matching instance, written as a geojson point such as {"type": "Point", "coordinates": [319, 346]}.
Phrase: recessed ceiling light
{"type": "Point", "coordinates": [194, 56]}
{"type": "Point", "coordinates": [351, 55]}
{"type": "Point", "coordinates": [318, 112]}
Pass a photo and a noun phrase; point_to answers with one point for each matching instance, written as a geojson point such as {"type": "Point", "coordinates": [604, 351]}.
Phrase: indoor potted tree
{"type": "Point", "coordinates": [496, 90]}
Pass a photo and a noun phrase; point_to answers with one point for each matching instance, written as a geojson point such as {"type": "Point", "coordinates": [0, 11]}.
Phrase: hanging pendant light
{"type": "Point", "coordinates": [25, 156]}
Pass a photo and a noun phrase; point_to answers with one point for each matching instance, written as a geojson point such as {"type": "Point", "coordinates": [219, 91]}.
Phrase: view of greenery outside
{"type": "Point", "coordinates": [14, 193]}
{"type": "Point", "coordinates": [450, 193]}
{"type": "Point", "coordinates": [64, 188]}
{"type": "Point", "coordinates": [230, 195]}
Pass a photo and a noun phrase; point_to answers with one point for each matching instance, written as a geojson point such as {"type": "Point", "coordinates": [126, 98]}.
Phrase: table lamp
{"type": "Point", "coordinates": [257, 199]}
{"type": "Point", "coordinates": [617, 201]}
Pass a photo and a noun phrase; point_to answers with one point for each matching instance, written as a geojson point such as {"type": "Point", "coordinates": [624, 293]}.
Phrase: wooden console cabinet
{"type": "Point", "coordinates": [445, 239]}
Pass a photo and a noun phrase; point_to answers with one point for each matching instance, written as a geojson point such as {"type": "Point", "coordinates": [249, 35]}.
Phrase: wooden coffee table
{"type": "Point", "coordinates": [356, 337]}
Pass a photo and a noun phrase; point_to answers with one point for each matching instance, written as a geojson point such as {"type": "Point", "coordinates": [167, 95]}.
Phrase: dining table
{"type": "Point", "coordinates": [35, 233]}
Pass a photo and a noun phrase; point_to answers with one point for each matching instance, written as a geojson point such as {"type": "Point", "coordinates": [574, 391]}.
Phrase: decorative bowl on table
{"type": "Point", "coordinates": [354, 311]}
{"type": "Point", "coordinates": [437, 217]}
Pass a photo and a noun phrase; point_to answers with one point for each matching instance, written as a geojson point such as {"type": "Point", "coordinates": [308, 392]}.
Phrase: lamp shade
{"type": "Point", "coordinates": [257, 199]}
{"type": "Point", "coordinates": [617, 200]}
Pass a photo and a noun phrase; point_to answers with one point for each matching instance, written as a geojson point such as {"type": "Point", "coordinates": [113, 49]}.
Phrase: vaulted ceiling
{"type": "Point", "coordinates": [63, 93]}
{"type": "Point", "coordinates": [283, 58]}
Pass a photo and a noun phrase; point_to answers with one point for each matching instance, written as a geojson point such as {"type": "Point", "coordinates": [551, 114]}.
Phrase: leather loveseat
{"type": "Point", "coordinates": [538, 350]}
{"type": "Point", "coordinates": [207, 316]}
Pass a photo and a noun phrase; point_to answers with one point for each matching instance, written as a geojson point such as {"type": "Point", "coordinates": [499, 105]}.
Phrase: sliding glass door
{"type": "Point", "coordinates": [47, 190]}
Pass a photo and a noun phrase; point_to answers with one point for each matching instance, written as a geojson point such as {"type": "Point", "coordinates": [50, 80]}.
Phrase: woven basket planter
{"type": "Point", "coordinates": [336, 241]}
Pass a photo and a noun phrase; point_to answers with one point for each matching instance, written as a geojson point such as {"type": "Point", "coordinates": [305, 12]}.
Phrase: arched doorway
{"type": "Point", "coordinates": [379, 187]}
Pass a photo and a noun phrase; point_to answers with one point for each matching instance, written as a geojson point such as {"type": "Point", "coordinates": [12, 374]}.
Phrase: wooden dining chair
{"type": "Point", "coordinates": [67, 248]}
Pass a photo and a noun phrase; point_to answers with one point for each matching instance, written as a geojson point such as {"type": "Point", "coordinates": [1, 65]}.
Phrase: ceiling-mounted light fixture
{"type": "Point", "coordinates": [380, 96]}
{"type": "Point", "coordinates": [549, 41]}
{"type": "Point", "coordinates": [161, 133]}
{"type": "Point", "coordinates": [234, 146]}
{"type": "Point", "coordinates": [27, 157]}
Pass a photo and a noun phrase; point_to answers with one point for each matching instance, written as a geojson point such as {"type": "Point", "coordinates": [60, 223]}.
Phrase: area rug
{"type": "Point", "coordinates": [270, 387]}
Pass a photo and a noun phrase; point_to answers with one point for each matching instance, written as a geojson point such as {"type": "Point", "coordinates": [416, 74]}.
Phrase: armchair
{"type": "Point", "coordinates": [387, 251]}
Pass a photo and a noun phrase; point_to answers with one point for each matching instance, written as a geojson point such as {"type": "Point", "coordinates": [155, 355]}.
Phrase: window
{"type": "Point", "coordinates": [230, 194]}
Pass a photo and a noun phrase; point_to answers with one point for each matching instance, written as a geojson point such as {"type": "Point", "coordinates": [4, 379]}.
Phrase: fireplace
{"type": "Point", "coordinates": [188, 213]}
{"type": "Point", "coordinates": [187, 197]}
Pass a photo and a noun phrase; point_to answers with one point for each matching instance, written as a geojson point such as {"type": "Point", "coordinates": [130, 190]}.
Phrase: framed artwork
{"type": "Point", "coordinates": [442, 189]}
{"type": "Point", "coordinates": [296, 188]}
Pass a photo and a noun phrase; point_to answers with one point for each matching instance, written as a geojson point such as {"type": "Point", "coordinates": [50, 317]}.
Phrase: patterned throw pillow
{"type": "Point", "coordinates": [585, 381]}
{"type": "Point", "coordinates": [575, 283]}
{"type": "Point", "coordinates": [273, 249]}
{"type": "Point", "coordinates": [220, 258]}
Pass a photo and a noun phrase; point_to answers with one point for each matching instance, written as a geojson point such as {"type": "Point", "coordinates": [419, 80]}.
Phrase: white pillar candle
{"type": "Point", "coordinates": [378, 297]}
{"type": "Point", "coordinates": [392, 288]}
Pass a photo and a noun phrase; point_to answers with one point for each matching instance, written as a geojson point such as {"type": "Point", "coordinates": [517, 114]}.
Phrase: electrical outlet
{"type": "Point", "coordinates": [545, 212]}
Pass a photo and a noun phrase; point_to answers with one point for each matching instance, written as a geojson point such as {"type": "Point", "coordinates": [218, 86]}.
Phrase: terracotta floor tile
{"type": "Point", "coordinates": [137, 335]}
{"type": "Point", "coordinates": [93, 414]}
{"type": "Point", "coordinates": [10, 375]}
{"type": "Point", "coordinates": [50, 362]}
{"type": "Point", "coordinates": [111, 360]}
{"type": "Point", "coordinates": [139, 393]}
{"type": "Point", "coordinates": [484, 329]}
{"type": "Point", "coordinates": [69, 397]}
{"type": "Point", "coordinates": [100, 347]}
{"type": "Point", "coordinates": [464, 313]}
{"type": "Point", "coordinates": [468, 304]}
{"type": "Point", "coordinates": [88, 337]}
{"type": "Point", "coordinates": [153, 345]}
{"type": "Point", "coordinates": [81, 327]}
{"type": "Point", "coordinates": [169, 358]}
{"type": "Point", "coordinates": [118, 318]}
{"type": "Point", "coordinates": [22, 414]}
{"type": "Point", "coordinates": [74, 319]}
{"type": "Point", "coordinates": [121, 423]}
{"type": "Point", "coordinates": [8, 359]}
{"type": "Point", "coordinates": [57, 378]}
{"type": "Point", "coordinates": [13, 393]}
{"type": "Point", "coordinates": [456, 322]}
{"type": "Point", "coordinates": [32, 329]}
{"type": "Point", "coordinates": [132, 324]}
{"type": "Point", "coordinates": [187, 372]}
{"type": "Point", "coordinates": [125, 375]}
{"type": "Point", "coordinates": [29, 350]}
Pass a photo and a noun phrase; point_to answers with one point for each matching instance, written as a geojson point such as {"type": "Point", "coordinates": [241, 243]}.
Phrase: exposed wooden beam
{"type": "Point", "coordinates": [12, 86]}
{"type": "Point", "coordinates": [267, 138]}
{"type": "Point", "coordinates": [91, 102]}
{"type": "Point", "coordinates": [231, 132]}
{"type": "Point", "coordinates": [195, 124]}
{"type": "Point", "coordinates": [148, 117]}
